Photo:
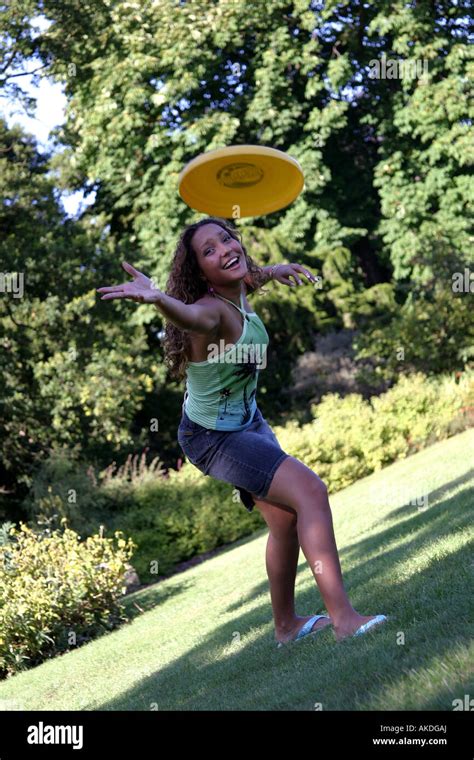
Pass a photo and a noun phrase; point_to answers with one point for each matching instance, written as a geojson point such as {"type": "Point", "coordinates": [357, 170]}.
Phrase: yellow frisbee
{"type": "Point", "coordinates": [241, 180]}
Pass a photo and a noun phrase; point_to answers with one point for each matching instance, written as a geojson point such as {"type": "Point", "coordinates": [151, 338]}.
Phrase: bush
{"type": "Point", "coordinates": [56, 592]}
{"type": "Point", "coordinates": [64, 487]}
{"type": "Point", "coordinates": [175, 518]}
{"type": "Point", "coordinates": [350, 437]}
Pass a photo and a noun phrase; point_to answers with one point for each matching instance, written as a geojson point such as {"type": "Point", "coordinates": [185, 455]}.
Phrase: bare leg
{"type": "Point", "coordinates": [299, 487]}
{"type": "Point", "coordinates": [281, 559]}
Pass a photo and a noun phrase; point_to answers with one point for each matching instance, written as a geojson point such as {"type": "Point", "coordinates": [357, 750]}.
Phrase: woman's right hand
{"type": "Point", "coordinates": [140, 290]}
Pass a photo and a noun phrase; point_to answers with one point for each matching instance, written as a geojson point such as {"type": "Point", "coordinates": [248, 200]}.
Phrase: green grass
{"type": "Point", "coordinates": [206, 639]}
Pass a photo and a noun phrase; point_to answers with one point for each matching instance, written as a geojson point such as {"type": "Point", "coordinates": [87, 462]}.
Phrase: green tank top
{"type": "Point", "coordinates": [221, 391]}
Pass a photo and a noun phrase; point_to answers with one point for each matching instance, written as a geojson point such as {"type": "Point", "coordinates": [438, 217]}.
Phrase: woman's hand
{"type": "Point", "coordinates": [283, 272]}
{"type": "Point", "coordinates": [140, 290]}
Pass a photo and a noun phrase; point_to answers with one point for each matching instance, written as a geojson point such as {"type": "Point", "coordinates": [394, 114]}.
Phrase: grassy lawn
{"type": "Point", "coordinates": [206, 642]}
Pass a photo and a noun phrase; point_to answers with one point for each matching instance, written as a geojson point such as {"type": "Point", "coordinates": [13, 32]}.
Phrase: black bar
{"type": "Point", "coordinates": [421, 734]}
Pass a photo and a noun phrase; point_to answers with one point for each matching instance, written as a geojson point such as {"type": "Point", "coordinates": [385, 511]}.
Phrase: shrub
{"type": "Point", "coordinates": [175, 518]}
{"type": "Point", "coordinates": [63, 487]}
{"type": "Point", "coordinates": [350, 437]}
{"type": "Point", "coordinates": [57, 592]}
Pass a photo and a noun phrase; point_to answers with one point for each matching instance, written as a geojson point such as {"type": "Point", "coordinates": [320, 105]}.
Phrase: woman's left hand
{"type": "Point", "coordinates": [283, 272]}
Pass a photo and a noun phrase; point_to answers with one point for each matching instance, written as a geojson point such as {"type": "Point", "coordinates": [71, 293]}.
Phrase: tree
{"type": "Point", "coordinates": [66, 363]}
{"type": "Point", "coordinates": [151, 85]}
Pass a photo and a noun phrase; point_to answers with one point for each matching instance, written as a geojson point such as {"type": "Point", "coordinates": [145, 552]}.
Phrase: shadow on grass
{"type": "Point", "coordinates": [434, 496]}
{"type": "Point", "coordinates": [430, 607]}
{"type": "Point", "coordinates": [160, 592]}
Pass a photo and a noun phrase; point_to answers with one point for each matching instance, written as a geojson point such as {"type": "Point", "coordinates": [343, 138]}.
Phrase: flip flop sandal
{"type": "Point", "coordinates": [370, 624]}
{"type": "Point", "coordinates": [306, 629]}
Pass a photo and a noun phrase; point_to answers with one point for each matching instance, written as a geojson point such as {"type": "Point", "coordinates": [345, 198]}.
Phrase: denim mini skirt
{"type": "Point", "coordinates": [247, 459]}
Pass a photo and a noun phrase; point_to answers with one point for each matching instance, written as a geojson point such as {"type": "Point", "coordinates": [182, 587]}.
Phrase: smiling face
{"type": "Point", "coordinates": [214, 248]}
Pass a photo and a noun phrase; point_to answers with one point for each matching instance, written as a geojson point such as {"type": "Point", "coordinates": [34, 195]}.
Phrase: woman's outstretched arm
{"type": "Point", "coordinates": [199, 318]}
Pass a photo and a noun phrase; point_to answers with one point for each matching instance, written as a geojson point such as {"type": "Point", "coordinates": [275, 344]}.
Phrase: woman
{"type": "Point", "coordinates": [222, 431]}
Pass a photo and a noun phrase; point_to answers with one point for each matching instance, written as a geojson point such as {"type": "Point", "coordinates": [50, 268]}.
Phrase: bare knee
{"type": "Point", "coordinates": [314, 493]}
{"type": "Point", "coordinates": [319, 488]}
{"type": "Point", "coordinates": [297, 485]}
{"type": "Point", "coordinates": [309, 489]}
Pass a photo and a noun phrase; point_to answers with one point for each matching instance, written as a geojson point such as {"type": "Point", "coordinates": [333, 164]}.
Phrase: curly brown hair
{"type": "Point", "coordinates": [185, 284]}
